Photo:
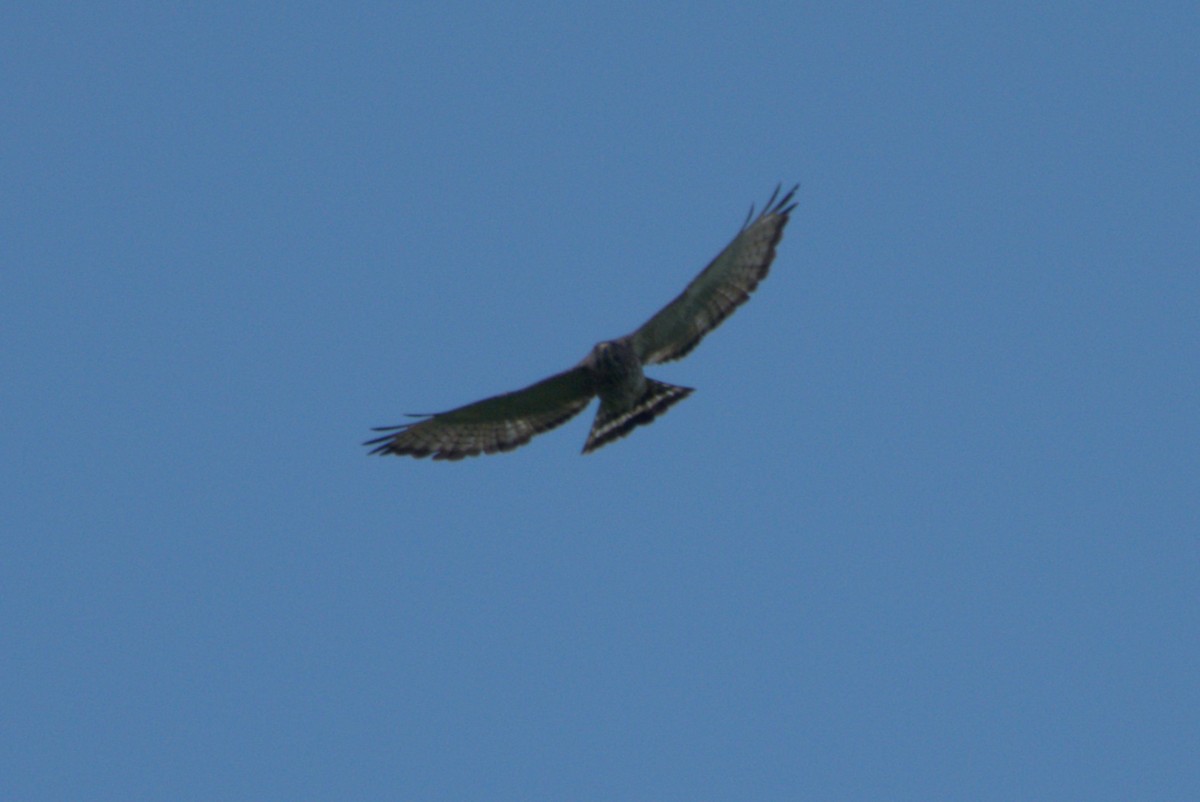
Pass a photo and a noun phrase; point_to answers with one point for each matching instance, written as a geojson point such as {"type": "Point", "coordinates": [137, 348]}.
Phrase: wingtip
{"type": "Point", "coordinates": [771, 201]}
{"type": "Point", "coordinates": [775, 205]}
{"type": "Point", "coordinates": [785, 204]}
{"type": "Point", "coordinates": [387, 440]}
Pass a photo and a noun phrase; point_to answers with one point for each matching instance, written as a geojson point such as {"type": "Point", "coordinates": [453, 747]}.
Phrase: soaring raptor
{"type": "Point", "coordinates": [613, 370]}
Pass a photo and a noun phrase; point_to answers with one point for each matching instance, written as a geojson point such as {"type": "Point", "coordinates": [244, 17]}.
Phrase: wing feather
{"type": "Point", "coordinates": [499, 423]}
{"type": "Point", "coordinates": [721, 287]}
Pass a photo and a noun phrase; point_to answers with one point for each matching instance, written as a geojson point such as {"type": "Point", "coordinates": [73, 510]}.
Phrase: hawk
{"type": "Point", "coordinates": [613, 370]}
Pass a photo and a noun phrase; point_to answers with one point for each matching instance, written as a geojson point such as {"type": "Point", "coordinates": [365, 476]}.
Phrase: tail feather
{"type": "Point", "coordinates": [613, 422]}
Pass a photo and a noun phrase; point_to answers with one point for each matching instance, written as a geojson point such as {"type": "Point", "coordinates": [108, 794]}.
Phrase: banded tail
{"type": "Point", "coordinates": [613, 422]}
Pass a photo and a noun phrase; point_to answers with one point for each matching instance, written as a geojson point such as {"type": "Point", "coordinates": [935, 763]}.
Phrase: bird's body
{"type": "Point", "coordinates": [613, 370]}
{"type": "Point", "coordinates": [627, 397]}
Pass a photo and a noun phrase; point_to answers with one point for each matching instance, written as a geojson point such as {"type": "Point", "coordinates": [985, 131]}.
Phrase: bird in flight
{"type": "Point", "coordinates": [613, 369]}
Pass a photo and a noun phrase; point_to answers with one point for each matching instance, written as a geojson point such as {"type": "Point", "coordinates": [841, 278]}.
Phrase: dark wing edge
{"type": "Point", "coordinates": [500, 423]}
{"type": "Point", "coordinates": [720, 288]}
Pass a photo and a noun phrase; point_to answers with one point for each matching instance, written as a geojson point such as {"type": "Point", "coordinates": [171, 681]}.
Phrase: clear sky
{"type": "Point", "coordinates": [929, 527]}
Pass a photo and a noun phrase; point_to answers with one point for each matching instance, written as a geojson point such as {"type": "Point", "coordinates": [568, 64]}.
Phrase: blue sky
{"type": "Point", "coordinates": [929, 528]}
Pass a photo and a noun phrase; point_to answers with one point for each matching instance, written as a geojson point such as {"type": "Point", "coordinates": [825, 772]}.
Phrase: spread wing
{"type": "Point", "coordinates": [500, 423]}
{"type": "Point", "coordinates": [719, 289]}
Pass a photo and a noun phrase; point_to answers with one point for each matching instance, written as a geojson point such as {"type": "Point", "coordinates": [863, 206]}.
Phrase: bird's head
{"type": "Point", "coordinates": [613, 356]}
